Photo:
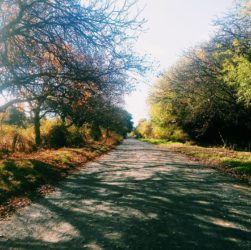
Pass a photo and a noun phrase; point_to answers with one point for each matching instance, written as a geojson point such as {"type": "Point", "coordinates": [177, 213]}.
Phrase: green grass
{"type": "Point", "coordinates": [159, 141]}
{"type": "Point", "coordinates": [243, 166]}
{"type": "Point", "coordinates": [232, 161]}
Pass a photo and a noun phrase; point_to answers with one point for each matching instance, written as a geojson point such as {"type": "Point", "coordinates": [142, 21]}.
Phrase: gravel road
{"type": "Point", "coordinates": [139, 196]}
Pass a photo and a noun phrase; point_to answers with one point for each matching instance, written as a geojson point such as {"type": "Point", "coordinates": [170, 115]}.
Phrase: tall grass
{"type": "Point", "coordinates": [54, 134]}
{"type": "Point", "coordinates": [14, 139]}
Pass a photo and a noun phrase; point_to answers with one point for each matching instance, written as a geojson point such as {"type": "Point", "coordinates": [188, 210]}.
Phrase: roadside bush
{"type": "Point", "coordinates": [135, 133]}
{"type": "Point", "coordinates": [162, 132]}
{"type": "Point", "coordinates": [46, 126]}
{"type": "Point", "coordinates": [57, 137]}
{"type": "Point", "coordinates": [179, 135]}
{"type": "Point", "coordinates": [75, 137]}
{"type": "Point", "coordinates": [55, 134]}
{"type": "Point", "coordinates": [112, 139]}
{"type": "Point", "coordinates": [144, 129]}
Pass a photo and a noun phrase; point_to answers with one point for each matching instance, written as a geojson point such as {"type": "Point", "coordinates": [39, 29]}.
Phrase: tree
{"type": "Point", "coordinates": [144, 129]}
{"type": "Point", "coordinates": [99, 111]}
{"type": "Point", "coordinates": [233, 41]}
{"type": "Point", "coordinates": [50, 47]}
{"type": "Point", "coordinates": [194, 98]}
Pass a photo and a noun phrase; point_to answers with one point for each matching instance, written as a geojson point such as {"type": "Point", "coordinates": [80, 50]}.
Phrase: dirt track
{"type": "Point", "coordinates": [138, 196]}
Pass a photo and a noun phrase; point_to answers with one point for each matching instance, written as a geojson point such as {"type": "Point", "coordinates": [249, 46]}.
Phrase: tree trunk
{"type": "Point", "coordinates": [14, 142]}
{"type": "Point", "coordinates": [222, 139]}
{"type": "Point", "coordinates": [37, 127]}
{"type": "Point", "coordinates": [107, 135]}
{"type": "Point", "coordinates": [96, 132]}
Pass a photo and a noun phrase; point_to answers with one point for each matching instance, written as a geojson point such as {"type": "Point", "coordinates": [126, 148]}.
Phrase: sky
{"type": "Point", "coordinates": [172, 27]}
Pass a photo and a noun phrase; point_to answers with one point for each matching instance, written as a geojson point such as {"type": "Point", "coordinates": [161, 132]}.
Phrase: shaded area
{"type": "Point", "coordinates": [27, 177]}
{"type": "Point", "coordinates": [20, 176]}
{"type": "Point", "coordinates": [243, 166]}
{"type": "Point", "coordinates": [137, 197]}
{"type": "Point", "coordinates": [22, 173]}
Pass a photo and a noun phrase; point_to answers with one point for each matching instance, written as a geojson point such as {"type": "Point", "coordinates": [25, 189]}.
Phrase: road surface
{"type": "Point", "coordinates": [139, 196]}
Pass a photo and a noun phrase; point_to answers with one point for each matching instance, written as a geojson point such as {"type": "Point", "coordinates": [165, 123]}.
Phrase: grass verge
{"type": "Point", "coordinates": [24, 177]}
{"type": "Point", "coordinates": [236, 163]}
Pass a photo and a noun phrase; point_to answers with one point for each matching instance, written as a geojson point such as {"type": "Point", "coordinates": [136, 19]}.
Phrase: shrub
{"type": "Point", "coordinates": [75, 137]}
{"type": "Point", "coordinates": [57, 137]}
{"type": "Point", "coordinates": [46, 127]}
{"type": "Point", "coordinates": [179, 135]}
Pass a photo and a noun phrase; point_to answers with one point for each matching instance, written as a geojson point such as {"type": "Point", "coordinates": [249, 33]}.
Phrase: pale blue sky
{"type": "Point", "coordinates": [172, 27]}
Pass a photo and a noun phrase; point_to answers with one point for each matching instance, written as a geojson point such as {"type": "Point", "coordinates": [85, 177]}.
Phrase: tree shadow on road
{"type": "Point", "coordinates": [149, 205]}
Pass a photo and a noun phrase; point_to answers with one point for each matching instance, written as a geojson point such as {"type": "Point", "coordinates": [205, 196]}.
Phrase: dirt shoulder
{"type": "Point", "coordinates": [26, 177]}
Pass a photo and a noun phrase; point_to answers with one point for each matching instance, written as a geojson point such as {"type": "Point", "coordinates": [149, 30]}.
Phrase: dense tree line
{"type": "Point", "coordinates": [68, 58]}
{"type": "Point", "coordinates": [206, 95]}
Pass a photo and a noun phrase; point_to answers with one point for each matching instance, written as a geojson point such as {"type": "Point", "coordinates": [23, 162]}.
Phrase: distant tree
{"type": "Point", "coordinates": [118, 120]}
{"type": "Point", "coordinates": [144, 129]}
{"type": "Point", "coordinates": [15, 116]}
